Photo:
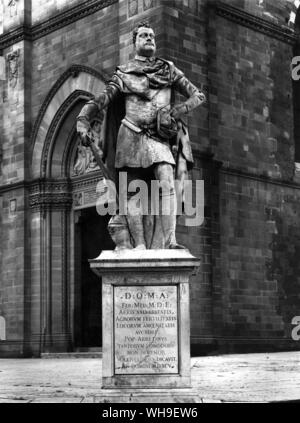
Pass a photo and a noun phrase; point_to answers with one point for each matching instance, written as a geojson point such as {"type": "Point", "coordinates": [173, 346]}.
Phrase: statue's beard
{"type": "Point", "coordinates": [148, 52]}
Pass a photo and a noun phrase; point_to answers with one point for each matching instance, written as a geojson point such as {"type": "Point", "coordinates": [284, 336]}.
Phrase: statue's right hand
{"type": "Point", "coordinates": [82, 126]}
{"type": "Point", "coordinates": [85, 140]}
{"type": "Point", "coordinates": [175, 151]}
{"type": "Point", "coordinates": [82, 129]}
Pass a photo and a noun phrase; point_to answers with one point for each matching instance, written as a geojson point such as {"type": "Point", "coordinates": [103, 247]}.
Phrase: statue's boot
{"type": "Point", "coordinates": [169, 228]}
{"type": "Point", "coordinates": [136, 229]}
{"type": "Point", "coordinates": [168, 220]}
{"type": "Point", "coordinates": [164, 173]}
{"type": "Point", "coordinates": [135, 224]}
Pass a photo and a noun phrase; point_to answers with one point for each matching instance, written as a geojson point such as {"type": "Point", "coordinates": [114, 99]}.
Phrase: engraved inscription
{"type": "Point", "coordinates": [146, 329]}
{"type": "Point", "coordinates": [90, 197]}
{"type": "Point", "coordinates": [83, 199]}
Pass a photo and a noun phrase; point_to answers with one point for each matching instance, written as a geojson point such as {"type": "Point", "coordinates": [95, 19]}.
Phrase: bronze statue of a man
{"type": "Point", "coordinates": [150, 132]}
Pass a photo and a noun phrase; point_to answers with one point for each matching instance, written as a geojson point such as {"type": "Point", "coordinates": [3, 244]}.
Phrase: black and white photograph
{"type": "Point", "coordinates": [149, 205]}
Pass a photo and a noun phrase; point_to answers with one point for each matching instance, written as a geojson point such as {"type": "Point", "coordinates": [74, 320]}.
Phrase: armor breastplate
{"type": "Point", "coordinates": [142, 111]}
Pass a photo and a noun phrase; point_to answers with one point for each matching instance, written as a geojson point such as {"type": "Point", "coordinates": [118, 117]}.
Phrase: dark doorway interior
{"type": "Point", "coordinates": [91, 238]}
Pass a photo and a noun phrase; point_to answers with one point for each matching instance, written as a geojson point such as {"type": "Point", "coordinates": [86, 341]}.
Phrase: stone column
{"type": "Point", "coordinates": [48, 312]}
{"type": "Point", "coordinates": [146, 323]}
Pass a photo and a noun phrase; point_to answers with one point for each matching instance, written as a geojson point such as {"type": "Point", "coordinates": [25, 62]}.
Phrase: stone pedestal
{"type": "Point", "coordinates": [146, 318]}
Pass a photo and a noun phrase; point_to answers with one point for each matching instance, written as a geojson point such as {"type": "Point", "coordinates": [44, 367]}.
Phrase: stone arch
{"type": "Point", "coordinates": [53, 213]}
{"type": "Point", "coordinates": [78, 82]}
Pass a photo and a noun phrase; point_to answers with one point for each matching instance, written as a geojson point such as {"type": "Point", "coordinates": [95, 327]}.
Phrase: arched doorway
{"type": "Point", "coordinates": [91, 238]}
{"type": "Point", "coordinates": [65, 229]}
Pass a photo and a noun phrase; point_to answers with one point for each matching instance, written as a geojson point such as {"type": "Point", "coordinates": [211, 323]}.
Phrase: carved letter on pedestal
{"type": "Point", "coordinates": [146, 330]}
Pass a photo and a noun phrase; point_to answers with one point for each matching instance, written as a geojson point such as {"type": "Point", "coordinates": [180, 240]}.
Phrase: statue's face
{"type": "Point", "coordinates": [145, 42]}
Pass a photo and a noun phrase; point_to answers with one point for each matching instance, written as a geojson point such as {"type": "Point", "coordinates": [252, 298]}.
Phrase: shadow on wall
{"type": "Point", "coordinates": [284, 267]}
{"type": "Point", "coordinates": [281, 113]}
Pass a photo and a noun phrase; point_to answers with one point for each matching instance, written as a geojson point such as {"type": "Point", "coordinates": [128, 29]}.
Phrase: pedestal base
{"type": "Point", "coordinates": [146, 320]}
{"type": "Point", "coordinates": [147, 396]}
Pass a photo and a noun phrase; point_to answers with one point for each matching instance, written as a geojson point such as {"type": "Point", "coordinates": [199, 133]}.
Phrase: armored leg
{"type": "Point", "coordinates": [134, 215]}
{"type": "Point", "coordinates": [168, 204]}
{"type": "Point", "coordinates": [136, 229]}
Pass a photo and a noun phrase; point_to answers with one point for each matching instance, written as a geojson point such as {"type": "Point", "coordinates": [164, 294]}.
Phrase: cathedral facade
{"type": "Point", "coordinates": [54, 56]}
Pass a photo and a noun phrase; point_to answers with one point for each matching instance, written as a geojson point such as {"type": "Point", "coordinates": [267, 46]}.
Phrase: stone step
{"type": "Point", "coordinates": [80, 353]}
{"type": "Point", "coordinates": [148, 396]}
{"type": "Point", "coordinates": [88, 349]}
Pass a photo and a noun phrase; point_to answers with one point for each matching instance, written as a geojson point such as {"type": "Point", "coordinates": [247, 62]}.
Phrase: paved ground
{"type": "Point", "coordinates": [233, 378]}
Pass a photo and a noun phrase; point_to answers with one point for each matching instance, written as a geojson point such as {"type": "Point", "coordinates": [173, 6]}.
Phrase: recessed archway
{"type": "Point", "coordinates": [53, 216]}
{"type": "Point", "coordinates": [78, 82]}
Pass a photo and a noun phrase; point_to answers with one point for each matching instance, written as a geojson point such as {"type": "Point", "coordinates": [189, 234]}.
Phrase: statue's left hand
{"type": "Point", "coordinates": [175, 151]}
{"type": "Point", "coordinates": [179, 110]}
{"type": "Point", "coordinates": [83, 128]}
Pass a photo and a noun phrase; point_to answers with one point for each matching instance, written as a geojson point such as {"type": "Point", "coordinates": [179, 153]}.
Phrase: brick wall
{"type": "Point", "coordinates": [12, 263]}
{"type": "Point", "coordinates": [13, 122]}
{"type": "Point", "coordinates": [251, 128]}
{"type": "Point", "coordinates": [91, 41]}
{"type": "Point", "coordinates": [259, 249]}
{"type": "Point", "coordinates": [252, 101]}
{"type": "Point", "coordinates": [44, 9]}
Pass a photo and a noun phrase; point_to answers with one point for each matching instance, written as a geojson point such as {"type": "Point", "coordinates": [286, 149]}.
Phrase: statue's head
{"type": "Point", "coordinates": [144, 39]}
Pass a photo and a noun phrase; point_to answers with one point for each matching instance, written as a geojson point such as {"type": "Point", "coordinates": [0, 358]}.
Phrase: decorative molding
{"type": "Point", "coordinates": [80, 183]}
{"type": "Point", "coordinates": [208, 156]}
{"type": "Point", "coordinates": [60, 194]}
{"type": "Point", "coordinates": [256, 23]}
{"type": "Point", "coordinates": [56, 22]}
{"type": "Point", "coordinates": [69, 16]}
{"type": "Point", "coordinates": [48, 195]}
{"type": "Point", "coordinates": [259, 178]}
{"type": "Point", "coordinates": [14, 186]}
{"type": "Point", "coordinates": [50, 185]}
{"type": "Point", "coordinates": [13, 67]}
{"type": "Point", "coordinates": [22, 33]}
{"type": "Point", "coordinates": [48, 201]}
{"type": "Point", "coordinates": [89, 7]}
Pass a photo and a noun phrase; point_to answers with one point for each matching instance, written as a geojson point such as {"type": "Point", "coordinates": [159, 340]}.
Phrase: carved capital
{"type": "Point", "coordinates": [49, 195]}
